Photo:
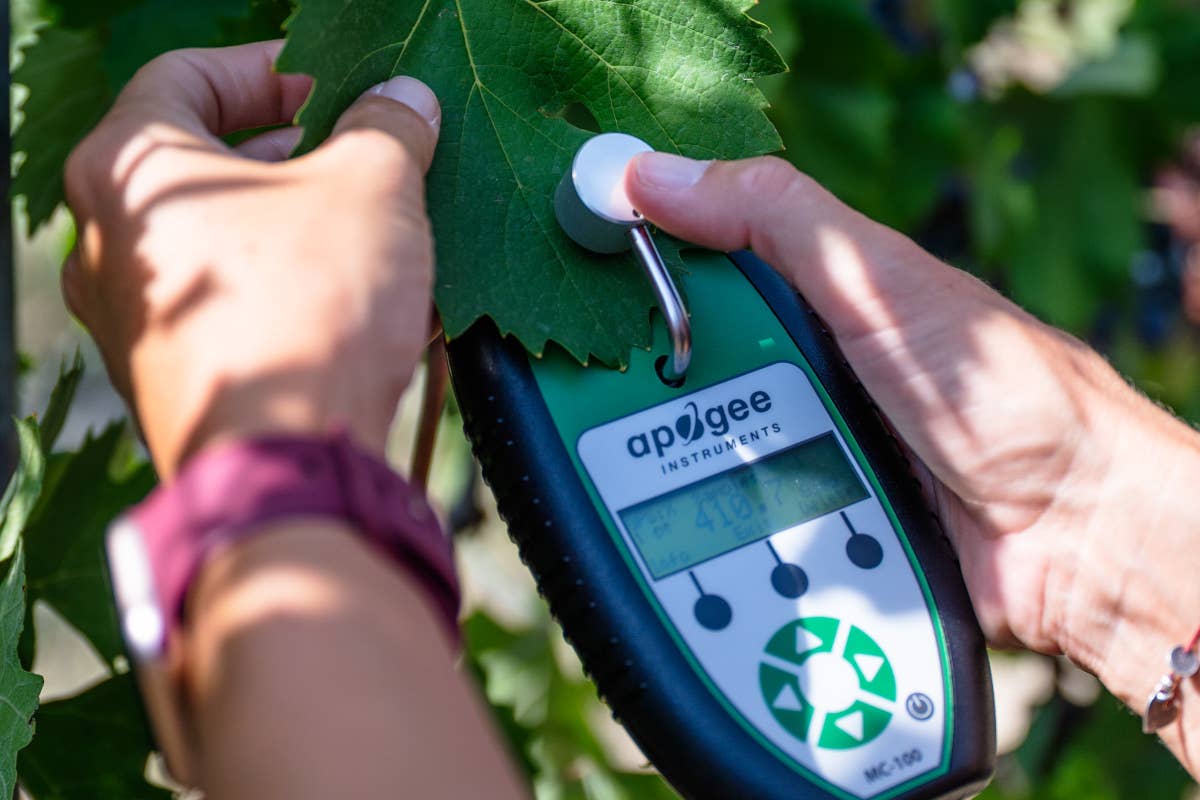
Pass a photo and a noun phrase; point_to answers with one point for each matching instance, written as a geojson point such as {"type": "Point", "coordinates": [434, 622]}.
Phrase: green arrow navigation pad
{"type": "Point", "coordinates": [837, 697]}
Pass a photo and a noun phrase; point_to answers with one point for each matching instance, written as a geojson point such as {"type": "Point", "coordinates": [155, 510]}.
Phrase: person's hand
{"type": "Point", "coordinates": [1066, 493]}
{"type": "Point", "coordinates": [231, 295]}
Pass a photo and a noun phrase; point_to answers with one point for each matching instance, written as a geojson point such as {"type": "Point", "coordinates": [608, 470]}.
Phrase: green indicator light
{"type": "Point", "coordinates": [766, 344]}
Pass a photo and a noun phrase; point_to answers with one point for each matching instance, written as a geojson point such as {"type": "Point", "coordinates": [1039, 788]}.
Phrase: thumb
{"type": "Point", "coordinates": [856, 272]}
{"type": "Point", "coordinates": [404, 109]}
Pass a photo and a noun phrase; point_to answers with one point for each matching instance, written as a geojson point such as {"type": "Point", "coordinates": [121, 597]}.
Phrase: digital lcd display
{"type": "Point", "coordinates": [723, 512]}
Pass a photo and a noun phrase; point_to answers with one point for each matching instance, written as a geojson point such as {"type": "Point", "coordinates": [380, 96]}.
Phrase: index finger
{"type": "Point", "coordinates": [217, 91]}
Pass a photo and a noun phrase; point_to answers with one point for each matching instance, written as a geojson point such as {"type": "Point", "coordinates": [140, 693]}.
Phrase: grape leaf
{"type": "Point", "coordinates": [78, 65]}
{"type": "Point", "coordinates": [547, 711]}
{"type": "Point", "coordinates": [18, 689]}
{"type": "Point", "coordinates": [677, 73]}
{"type": "Point", "coordinates": [68, 95]}
{"type": "Point", "coordinates": [64, 538]}
{"type": "Point", "coordinates": [24, 487]}
{"type": "Point", "coordinates": [61, 398]}
{"type": "Point", "coordinates": [92, 745]}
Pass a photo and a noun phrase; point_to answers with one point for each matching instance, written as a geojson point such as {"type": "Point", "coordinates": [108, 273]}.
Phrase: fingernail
{"type": "Point", "coordinates": [667, 171]}
{"type": "Point", "coordinates": [412, 93]}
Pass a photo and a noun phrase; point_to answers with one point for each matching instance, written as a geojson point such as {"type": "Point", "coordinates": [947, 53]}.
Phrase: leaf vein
{"type": "Point", "coordinates": [611, 67]}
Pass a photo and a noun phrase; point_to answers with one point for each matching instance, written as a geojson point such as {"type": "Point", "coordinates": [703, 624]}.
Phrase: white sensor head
{"type": "Point", "coordinates": [591, 204]}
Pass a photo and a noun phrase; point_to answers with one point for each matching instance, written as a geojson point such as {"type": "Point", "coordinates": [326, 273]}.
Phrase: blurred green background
{"type": "Point", "coordinates": [1045, 146]}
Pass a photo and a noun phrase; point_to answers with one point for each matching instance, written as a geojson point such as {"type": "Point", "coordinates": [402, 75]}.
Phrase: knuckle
{"type": "Point", "coordinates": [71, 285]}
{"type": "Point", "coordinates": [375, 152]}
{"type": "Point", "coordinates": [121, 131]}
{"type": "Point", "coordinates": [77, 173]}
{"type": "Point", "coordinates": [163, 67]}
{"type": "Point", "coordinates": [770, 177]}
{"type": "Point", "coordinates": [397, 121]}
{"type": "Point", "coordinates": [167, 63]}
{"type": "Point", "coordinates": [370, 107]}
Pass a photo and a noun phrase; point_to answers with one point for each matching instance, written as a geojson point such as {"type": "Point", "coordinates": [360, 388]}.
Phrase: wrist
{"type": "Point", "coordinates": [296, 570]}
{"type": "Point", "coordinates": [1133, 593]}
{"type": "Point", "coordinates": [227, 493]}
{"type": "Point", "coordinates": [221, 503]}
{"type": "Point", "coordinates": [236, 415]}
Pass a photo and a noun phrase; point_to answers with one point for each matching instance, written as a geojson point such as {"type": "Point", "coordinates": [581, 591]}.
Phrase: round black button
{"type": "Point", "coordinates": [864, 551]}
{"type": "Point", "coordinates": [713, 612]}
{"type": "Point", "coordinates": [789, 580]}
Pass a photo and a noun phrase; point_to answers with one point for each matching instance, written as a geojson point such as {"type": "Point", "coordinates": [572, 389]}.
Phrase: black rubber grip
{"type": "Point", "coordinates": [510, 475]}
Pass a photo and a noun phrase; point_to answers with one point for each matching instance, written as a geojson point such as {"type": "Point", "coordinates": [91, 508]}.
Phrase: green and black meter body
{"type": "Point", "coordinates": [744, 562]}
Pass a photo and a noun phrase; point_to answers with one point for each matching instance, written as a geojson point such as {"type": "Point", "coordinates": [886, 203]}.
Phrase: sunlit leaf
{"type": "Point", "coordinates": [61, 398]}
{"type": "Point", "coordinates": [677, 73]}
{"type": "Point", "coordinates": [19, 689]}
{"type": "Point", "coordinates": [24, 487]}
{"type": "Point", "coordinates": [64, 539]}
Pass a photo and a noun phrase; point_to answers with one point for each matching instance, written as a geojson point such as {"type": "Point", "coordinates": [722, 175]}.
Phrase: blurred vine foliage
{"type": "Point", "coordinates": [1015, 139]}
{"type": "Point", "coordinates": [85, 51]}
{"type": "Point", "coordinates": [1019, 140]}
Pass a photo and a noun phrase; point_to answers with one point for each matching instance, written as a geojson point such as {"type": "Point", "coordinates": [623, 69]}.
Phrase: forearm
{"type": "Point", "coordinates": [316, 669]}
{"type": "Point", "coordinates": [1134, 590]}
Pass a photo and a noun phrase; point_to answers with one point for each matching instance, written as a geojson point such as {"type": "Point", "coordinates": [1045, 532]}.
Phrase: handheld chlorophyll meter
{"type": "Point", "coordinates": [729, 538]}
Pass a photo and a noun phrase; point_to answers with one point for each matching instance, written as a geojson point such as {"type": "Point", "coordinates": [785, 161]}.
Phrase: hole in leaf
{"type": "Point", "coordinates": [576, 114]}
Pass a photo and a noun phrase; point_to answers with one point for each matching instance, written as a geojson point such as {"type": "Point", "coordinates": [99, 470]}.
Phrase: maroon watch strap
{"type": "Point", "coordinates": [227, 493]}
